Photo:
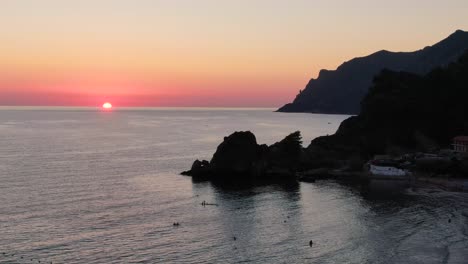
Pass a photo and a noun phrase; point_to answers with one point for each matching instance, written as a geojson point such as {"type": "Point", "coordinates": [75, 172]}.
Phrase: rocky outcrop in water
{"type": "Point", "coordinates": [240, 157]}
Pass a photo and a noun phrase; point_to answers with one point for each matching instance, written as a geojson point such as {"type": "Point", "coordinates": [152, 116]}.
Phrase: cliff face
{"type": "Point", "coordinates": [405, 111]}
{"type": "Point", "coordinates": [341, 91]}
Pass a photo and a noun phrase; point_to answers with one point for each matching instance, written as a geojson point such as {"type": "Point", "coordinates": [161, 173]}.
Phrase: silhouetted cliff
{"type": "Point", "coordinates": [403, 112]}
{"type": "Point", "coordinates": [340, 91]}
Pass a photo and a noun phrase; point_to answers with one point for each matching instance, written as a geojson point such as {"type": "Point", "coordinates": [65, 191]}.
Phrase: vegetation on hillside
{"type": "Point", "coordinates": [406, 112]}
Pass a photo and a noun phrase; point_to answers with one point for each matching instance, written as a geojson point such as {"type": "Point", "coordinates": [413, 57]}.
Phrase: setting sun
{"type": "Point", "coordinates": [107, 105]}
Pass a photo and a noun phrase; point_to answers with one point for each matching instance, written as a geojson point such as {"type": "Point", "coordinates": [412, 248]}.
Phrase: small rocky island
{"type": "Point", "coordinates": [409, 118]}
{"type": "Point", "coordinates": [240, 157]}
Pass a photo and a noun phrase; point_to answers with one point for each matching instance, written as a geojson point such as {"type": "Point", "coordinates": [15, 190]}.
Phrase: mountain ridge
{"type": "Point", "coordinates": [340, 91]}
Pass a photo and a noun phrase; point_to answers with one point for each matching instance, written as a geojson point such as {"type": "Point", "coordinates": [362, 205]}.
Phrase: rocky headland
{"type": "Point", "coordinates": [340, 91]}
{"type": "Point", "coordinates": [404, 115]}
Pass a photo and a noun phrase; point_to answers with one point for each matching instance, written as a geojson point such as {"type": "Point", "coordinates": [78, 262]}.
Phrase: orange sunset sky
{"type": "Point", "coordinates": [254, 53]}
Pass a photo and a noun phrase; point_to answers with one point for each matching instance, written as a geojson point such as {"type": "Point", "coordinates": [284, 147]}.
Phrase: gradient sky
{"type": "Point", "coordinates": [198, 53]}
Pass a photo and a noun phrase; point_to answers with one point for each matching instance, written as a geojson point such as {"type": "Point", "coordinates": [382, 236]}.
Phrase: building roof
{"type": "Point", "coordinates": [461, 138]}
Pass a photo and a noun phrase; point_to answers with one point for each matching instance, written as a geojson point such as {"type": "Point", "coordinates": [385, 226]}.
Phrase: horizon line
{"type": "Point", "coordinates": [27, 107]}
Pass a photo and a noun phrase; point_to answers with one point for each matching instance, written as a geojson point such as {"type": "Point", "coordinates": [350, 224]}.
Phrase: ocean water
{"type": "Point", "coordinates": [87, 186]}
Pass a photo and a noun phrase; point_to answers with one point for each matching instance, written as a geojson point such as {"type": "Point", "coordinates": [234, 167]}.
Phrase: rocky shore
{"type": "Point", "coordinates": [410, 118]}
{"type": "Point", "coordinates": [239, 158]}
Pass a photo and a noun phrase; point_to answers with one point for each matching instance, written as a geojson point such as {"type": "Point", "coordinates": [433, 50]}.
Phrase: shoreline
{"type": "Point", "coordinates": [417, 181]}
{"type": "Point", "coordinates": [446, 184]}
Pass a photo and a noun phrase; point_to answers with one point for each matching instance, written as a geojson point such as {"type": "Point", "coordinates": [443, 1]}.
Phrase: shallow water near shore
{"type": "Point", "coordinates": [86, 186]}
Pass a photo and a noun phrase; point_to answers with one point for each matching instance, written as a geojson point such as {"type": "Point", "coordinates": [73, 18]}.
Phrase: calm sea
{"type": "Point", "coordinates": [87, 186]}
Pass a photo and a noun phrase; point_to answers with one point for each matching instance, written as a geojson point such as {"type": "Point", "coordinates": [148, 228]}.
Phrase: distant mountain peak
{"type": "Point", "coordinates": [383, 51]}
{"type": "Point", "coordinates": [455, 36]}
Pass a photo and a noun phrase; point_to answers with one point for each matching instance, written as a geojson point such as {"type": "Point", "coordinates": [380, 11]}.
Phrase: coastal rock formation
{"type": "Point", "coordinates": [403, 112]}
{"type": "Point", "coordinates": [340, 91]}
{"type": "Point", "coordinates": [283, 158]}
{"type": "Point", "coordinates": [199, 168]}
{"type": "Point", "coordinates": [240, 157]}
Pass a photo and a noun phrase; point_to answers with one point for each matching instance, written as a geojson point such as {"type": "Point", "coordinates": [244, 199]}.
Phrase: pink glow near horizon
{"type": "Point", "coordinates": [254, 53]}
{"type": "Point", "coordinates": [234, 94]}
